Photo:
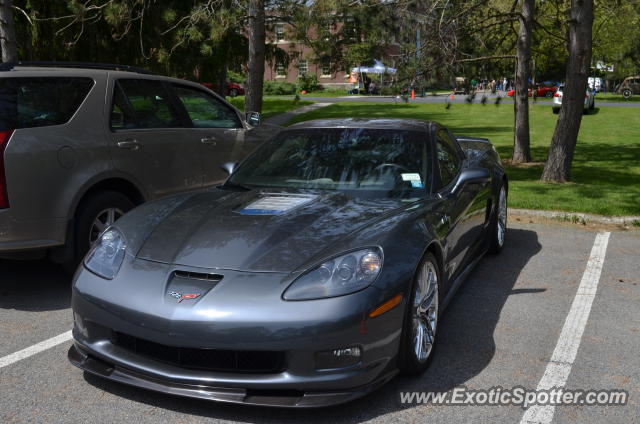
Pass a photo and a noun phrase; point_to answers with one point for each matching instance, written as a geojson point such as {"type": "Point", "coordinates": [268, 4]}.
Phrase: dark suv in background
{"type": "Point", "coordinates": [81, 144]}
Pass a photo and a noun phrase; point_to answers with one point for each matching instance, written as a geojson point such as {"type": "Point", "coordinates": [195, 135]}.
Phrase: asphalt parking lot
{"type": "Point", "coordinates": [502, 329]}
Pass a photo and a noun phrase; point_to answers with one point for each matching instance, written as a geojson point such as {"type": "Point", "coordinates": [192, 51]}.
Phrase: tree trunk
{"type": "Point", "coordinates": [257, 36]}
{"type": "Point", "coordinates": [521, 139]}
{"type": "Point", "coordinates": [565, 136]}
{"type": "Point", "coordinates": [7, 32]}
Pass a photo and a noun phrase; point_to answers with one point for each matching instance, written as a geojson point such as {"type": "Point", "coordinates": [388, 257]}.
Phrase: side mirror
{"type": "Point", "coordinates": [229, 167]}
{"type": "Point", "coordinates": [254, 118]}
{"type": "Point", "coordinates": [472, 176]}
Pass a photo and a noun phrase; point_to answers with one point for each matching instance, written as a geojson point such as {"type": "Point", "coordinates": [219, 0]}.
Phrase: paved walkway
{"type": "Point", "coordinates": [283, 118]}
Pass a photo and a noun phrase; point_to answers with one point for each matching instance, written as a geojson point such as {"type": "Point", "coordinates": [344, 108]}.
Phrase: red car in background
{"type": "Point", "coordinates": [541, 91]}
{"type": "Point", "coordinates": [233, 89]}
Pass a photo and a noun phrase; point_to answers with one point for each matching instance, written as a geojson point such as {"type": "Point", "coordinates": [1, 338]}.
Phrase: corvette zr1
{"type": "Point", "coordinates": [313, 275]}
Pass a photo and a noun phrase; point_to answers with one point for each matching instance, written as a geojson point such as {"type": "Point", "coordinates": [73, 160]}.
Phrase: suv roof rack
{"type": "Point", "coordinates": [8, 66]}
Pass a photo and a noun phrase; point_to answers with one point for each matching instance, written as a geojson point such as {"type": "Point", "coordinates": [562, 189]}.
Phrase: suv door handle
{"type": "Point", "coordinates": [129, 144]}
{"type": "Point", "coordinates": [208, 140]}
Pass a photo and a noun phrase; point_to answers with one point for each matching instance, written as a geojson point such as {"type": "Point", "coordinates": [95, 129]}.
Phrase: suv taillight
{"type": "Point", "coordinates": [4, 140]}
{"type": "Point", "coordinates": [557, 94]}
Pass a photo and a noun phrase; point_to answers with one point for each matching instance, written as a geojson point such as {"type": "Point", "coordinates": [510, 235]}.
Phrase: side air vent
{"type": "Point", "coordinates": [202, 276]}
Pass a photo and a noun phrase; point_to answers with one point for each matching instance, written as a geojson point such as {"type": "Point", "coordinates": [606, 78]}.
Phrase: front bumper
{"type": "Point", "coordinates": [258, 320]}
{"type": "Point", "coordinates": [284, 398]}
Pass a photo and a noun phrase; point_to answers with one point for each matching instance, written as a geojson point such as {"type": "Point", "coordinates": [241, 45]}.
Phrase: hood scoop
{"type": "Point", "coordinates": [275, 203]}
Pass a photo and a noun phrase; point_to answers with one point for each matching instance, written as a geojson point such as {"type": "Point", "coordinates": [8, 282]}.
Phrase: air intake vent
{"type": "Point", "coordinates": [202, 276]}
{"type": "Point", "coordinates": [237, 361]}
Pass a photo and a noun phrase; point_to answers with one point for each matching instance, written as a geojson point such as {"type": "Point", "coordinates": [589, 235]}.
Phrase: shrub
{"type": "Point", "coordinates": [308, 82]}
{"type": "Point", "coordinates": [279, 88]}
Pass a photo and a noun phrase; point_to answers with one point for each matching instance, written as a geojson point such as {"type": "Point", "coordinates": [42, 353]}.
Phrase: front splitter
{"type": "Point", "coordinates": [273, 398]}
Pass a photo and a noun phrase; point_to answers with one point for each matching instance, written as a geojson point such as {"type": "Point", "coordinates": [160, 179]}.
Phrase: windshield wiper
{"type": "Point", "coordinates": [232, 185]}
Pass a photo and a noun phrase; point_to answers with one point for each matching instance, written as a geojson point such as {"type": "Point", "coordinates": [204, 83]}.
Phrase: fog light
{"type": "Point", "coordinates": [338, 358]}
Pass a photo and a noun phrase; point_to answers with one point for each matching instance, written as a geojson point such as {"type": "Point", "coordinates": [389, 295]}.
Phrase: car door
{"type": "Point", "coordinates": [148, 140]}
{"type": "Point", "coordinates": [463, 210]}
{"type": "Point", "coordinates": [216, 126]}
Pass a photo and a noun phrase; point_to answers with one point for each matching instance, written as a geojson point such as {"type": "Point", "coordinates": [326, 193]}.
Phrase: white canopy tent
{"type": "Point", "coordinates": [377, 68]}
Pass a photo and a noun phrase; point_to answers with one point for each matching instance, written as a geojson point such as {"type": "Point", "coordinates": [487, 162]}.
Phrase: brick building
{"type": "Point", "coordinates": [304, 60]}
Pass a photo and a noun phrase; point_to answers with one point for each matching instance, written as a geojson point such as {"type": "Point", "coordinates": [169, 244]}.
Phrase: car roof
{"type": "Point", "coordinates": [377, 123]}
{"type": "Point", "coordinates": [38, 71]}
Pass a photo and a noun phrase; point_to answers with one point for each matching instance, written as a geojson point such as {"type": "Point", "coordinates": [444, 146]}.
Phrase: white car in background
{"type": "Point", "coordinates": [589, 100]}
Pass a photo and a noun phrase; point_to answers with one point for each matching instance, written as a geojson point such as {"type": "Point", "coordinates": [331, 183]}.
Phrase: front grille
{"type": "Point", "coordinates": [204, 359]}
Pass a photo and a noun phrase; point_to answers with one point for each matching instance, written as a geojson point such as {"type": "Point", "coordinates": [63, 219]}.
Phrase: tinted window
{"type": "Point", "coordinates": [39, 102]}
{"type": "Point", "coordinates": [204, 110]}
{"type": "Point", "coordinates": [375, 162]}
{"type": "Point", "coordinates": [148, 105]}
{"type": "Point", "coordinates": [448, 158]}
{"type": "Point", "coordinates": [122, 115]}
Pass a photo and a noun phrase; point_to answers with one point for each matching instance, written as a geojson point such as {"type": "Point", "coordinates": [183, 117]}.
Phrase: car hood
{"type": "Point", "coordinates": [260, 230]}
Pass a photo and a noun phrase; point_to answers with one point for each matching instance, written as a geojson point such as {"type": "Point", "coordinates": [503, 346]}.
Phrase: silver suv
{"type": "Point", "coordinates": [80, 145]}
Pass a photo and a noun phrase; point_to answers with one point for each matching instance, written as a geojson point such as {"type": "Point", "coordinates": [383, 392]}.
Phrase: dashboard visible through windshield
{"type": "Point", "coordinates": [384, 162]}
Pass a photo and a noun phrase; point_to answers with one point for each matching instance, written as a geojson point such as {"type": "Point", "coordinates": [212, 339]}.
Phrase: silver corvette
{"type": "Point", "coordinates": [313, 275]}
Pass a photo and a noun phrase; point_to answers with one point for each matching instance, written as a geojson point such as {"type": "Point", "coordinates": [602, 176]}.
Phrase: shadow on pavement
{"type": "Point", "coordinates": [34, 286]}
{"type": "Point", "coordinates": [465, 347]}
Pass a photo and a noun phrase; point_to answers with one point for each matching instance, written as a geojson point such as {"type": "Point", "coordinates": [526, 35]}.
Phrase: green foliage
{"type": "Point", "coordinates": [237, 77]}
{"type": "Point", "coordinates": [308, 82]}
{"type": "Point", "coordinates": [279, 88]}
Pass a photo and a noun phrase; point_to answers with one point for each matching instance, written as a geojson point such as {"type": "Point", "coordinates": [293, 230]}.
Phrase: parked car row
{"type": "Point", "coordinates": [81, 145]}
{"type": "Point", "coordinates": [539, 91]}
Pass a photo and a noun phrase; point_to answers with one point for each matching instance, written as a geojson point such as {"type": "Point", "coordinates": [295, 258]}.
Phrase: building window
{"type": "Point", "coordinates": [303, 67]}
{"type": "Point", "coordinates": [281, 71]}
{"type": "Point", "coordinates": [279, 30]}
{"type": "Point", "coordinates": [326, 68]}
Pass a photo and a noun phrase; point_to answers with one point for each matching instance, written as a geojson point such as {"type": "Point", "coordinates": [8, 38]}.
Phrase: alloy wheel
{"type": "Point", "coordinates": [502, 216]}
{"type": "Point", "coordinates": [425, 311]}
{"type": "Point", "coordinates": [103, 220]}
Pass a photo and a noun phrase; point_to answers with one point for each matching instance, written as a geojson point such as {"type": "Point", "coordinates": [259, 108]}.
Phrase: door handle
{"type": "Point", "coordinates": [208, 140]}
{"type": "Point", "coordinates": [129, 144]}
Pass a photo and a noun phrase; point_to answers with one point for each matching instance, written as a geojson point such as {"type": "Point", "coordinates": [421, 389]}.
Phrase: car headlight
{"type": "Point", "coordinates": [107, 254]}
{"type": "Point", "coordinates": [339, 276]}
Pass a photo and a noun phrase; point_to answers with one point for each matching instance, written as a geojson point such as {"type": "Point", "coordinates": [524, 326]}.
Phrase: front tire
{"type": "Point", "coordinates": [421, 319]}
{"type": "Point", "coordinates": [555, 110]}
{"type": "Point", "coordinates": [233, 92]}
{"type": "Point", "coordinates": [498, 227]}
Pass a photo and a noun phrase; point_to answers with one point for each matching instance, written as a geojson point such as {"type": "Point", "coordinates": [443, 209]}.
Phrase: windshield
{"type": "Point", "coordinates": [372, 162]}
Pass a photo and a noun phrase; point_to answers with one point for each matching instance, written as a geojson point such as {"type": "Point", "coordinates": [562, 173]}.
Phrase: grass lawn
{"type": "Point", "coordinates": [606, 165]}
{"type": "Point", "coordinates": [271, 106]}
{"type": "Point", "coordinates": [613, 97]}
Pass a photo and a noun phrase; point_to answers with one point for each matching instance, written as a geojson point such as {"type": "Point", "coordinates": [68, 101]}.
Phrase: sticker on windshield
{"type": "Point", "coordinates": [416, 184]}
{"type": "Point", "coordinates": [411, 177]}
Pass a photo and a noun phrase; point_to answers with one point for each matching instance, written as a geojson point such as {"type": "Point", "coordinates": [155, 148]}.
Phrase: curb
{"type": "Point", "coordinates": [623, 220]}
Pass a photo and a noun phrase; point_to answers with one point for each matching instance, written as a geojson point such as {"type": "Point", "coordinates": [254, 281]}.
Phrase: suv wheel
{"type": "Point", "coordinates": [233, 92]}
{"type": "Point", "coordinates": [626, 93]}
{"type": "Point", "coordinates": [95, 214]}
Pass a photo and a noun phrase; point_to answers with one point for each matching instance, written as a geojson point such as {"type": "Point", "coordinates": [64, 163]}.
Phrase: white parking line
{"type": "Point", "coordinates": [36, 348]}
{"type": "Point", "coordinates": [559, 367]}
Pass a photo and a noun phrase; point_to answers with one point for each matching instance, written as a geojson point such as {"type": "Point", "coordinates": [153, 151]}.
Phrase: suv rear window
{"type": "Point", "coordinates": [40, 101]}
